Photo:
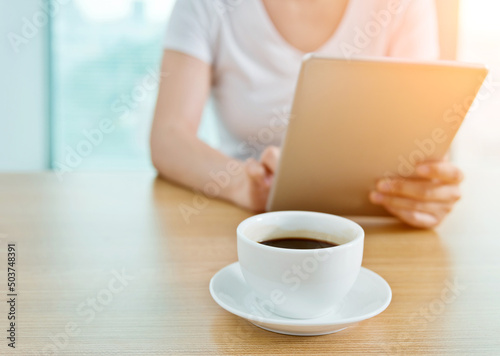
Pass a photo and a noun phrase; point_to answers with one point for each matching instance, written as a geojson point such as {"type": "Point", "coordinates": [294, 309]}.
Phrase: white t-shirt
{"type": "Point", "coordinates": [255, 68]}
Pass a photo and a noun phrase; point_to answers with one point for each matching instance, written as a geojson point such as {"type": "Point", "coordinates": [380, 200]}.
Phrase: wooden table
{"type": "Point", "coordinates": [106, 264]}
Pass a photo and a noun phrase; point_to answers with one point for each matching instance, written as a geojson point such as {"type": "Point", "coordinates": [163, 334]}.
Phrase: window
{"type": "Point", "coordinates": [105, 71]}
{"type": "Point", "coordinates": [479, 42]}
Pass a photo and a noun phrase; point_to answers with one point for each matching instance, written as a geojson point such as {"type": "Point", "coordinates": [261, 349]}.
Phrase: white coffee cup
{"type": "Point", "coordinates": [300, 283]}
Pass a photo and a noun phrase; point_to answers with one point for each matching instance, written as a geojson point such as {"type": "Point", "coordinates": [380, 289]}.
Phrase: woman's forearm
{"type": "Point", "coordinates": [179, 155]}
{"type": "Point", "coordinates": [176, 151]}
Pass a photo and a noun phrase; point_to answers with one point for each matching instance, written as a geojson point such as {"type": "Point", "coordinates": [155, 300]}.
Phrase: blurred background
{"type": "Point", "coordinates": [75, 72]}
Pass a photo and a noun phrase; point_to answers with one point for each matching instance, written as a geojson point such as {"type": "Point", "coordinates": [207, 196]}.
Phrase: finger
{"type": "Point", "coordinates": [431, 207]}
{"type": "Point", "coordinates": [420, 189]}
{"type": "Point", "coordinates": [256, 172]}
{"type": "Point", "coordinates": [270, 157]}
{"type": "Point", "coordinates": [254, 169]}
{"type": "Point", "coordinates": [442, 170]}
{"type": "Point", "coordinates": [415, 218]}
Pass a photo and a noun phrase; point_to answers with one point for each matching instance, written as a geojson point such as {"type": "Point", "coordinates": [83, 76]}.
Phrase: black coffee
{"type": "Point", "coordinates": [298, 243]}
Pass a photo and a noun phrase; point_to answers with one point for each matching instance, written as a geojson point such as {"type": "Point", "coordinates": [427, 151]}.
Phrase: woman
{"type": "Point", "coordinates": [247, 55]}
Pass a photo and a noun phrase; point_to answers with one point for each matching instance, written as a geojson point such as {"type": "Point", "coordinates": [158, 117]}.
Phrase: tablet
{"type": "Point", "coordinates": [355, 121]}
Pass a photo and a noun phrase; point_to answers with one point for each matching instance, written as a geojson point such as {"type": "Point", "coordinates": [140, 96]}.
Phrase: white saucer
{"type": "Point", "coordinates": [369, 296]}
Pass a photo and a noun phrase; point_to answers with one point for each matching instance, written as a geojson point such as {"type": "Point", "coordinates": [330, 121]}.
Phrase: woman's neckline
{"type": "Point", "coordinates": [279, 37]}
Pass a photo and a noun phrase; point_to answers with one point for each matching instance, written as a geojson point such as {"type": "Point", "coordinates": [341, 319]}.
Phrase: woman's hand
{"type": "Point", "coordinates": [253, 189]}
{"type": "Point", "coordinates": [422, 201]}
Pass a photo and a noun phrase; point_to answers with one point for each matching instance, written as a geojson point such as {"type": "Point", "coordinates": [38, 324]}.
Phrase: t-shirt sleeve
{"type": "Point", "coordinates": [192, 29]}
{"type": "Point", "coordinates": [416, 35]}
